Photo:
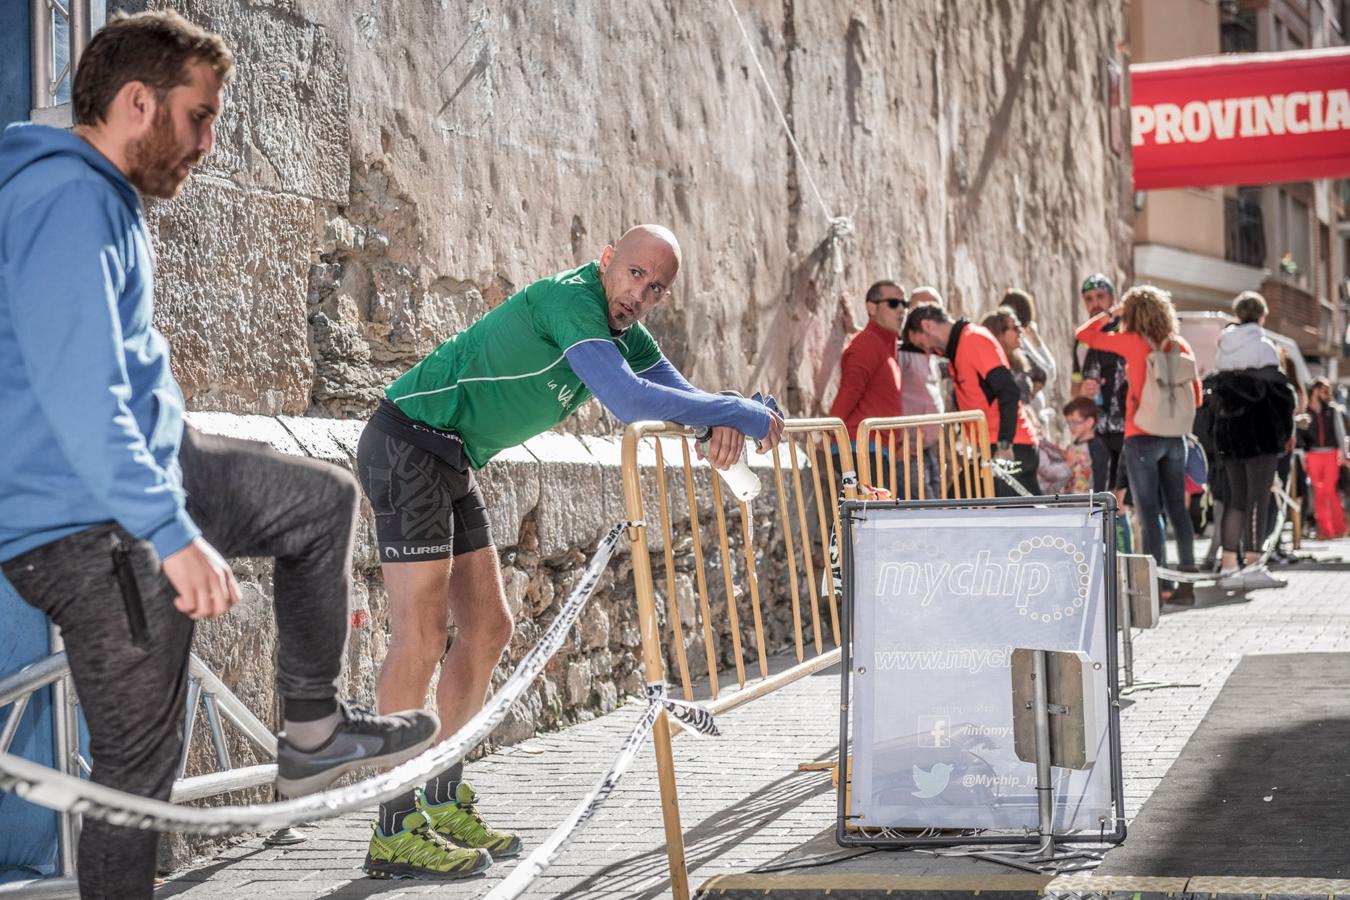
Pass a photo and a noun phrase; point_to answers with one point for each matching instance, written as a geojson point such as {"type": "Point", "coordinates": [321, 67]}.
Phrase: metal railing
{"type": "Point", "coordinates": [811, 445]}
{"type": "Point", "coordinates": [892, 457]}
{"type": "Point", "coordinates": [61, 29]}
{"type": "Point", "coordinates": [205, 691]}
{"type": "Point", "coordinates": [804, 532]}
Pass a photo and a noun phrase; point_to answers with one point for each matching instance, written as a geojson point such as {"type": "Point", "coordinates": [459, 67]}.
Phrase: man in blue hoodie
{"type": "Point", "coordinates": [113, 517]}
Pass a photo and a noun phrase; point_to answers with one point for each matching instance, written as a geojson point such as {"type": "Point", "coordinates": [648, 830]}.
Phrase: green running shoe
{"type": "Point", "coordinates": [460, 822]}
{"type": "Point", "coordinates": [419, 852]}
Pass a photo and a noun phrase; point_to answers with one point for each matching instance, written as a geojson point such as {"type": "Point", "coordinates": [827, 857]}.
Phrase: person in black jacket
{"type": "Point", "coordinates": [1254, 406]}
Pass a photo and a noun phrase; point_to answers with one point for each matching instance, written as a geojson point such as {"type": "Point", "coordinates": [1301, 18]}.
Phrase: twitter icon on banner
{"type": "Point", "coordinates": [931, 782]}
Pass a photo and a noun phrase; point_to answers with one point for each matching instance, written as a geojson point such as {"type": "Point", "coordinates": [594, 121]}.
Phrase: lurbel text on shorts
{"type": "Point", "coordinates": [395, 553]}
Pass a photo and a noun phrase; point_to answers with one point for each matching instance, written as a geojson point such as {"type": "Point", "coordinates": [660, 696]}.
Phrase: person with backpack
{"type": "Point", "coordinates": [1161, 400]}
{"type": "Point", "coordinates": [1253, 420]}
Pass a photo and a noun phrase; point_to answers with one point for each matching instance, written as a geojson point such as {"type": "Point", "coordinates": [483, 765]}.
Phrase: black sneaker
{"type": "Point", "coordinates": [361, 739]}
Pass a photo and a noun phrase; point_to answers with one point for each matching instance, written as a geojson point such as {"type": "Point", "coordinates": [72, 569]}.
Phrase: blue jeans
{"type": "Point", "coordinates": [1156, 467]}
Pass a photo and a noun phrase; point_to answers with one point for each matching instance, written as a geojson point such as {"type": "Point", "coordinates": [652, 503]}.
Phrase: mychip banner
{"type": "Point", "coordinates": [941, 598]}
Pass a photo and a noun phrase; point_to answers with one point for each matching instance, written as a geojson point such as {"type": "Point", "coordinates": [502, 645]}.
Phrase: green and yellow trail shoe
{"type": "Point", "coordinates": [419, 852]}
{"type": "Point", "coordinates": [460, 822]}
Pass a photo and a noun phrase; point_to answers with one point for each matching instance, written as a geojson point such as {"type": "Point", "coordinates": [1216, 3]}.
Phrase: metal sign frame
{"type": "Point", "coordinates": [852, 511]}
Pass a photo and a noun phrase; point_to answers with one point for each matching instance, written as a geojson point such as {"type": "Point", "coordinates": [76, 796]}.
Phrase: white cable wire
{"type": "Point", "coordinates": [1272, 540]}
{"type": "Point", "coordinates": [773, 98]}
{"type": "Point", "coordinates": [523, 875]}
{"type": "Point", "coordinates": [66, 793]}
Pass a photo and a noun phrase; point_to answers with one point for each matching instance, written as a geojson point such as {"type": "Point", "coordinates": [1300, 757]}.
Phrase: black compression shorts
{"type": "Point", "coordinates": [421, 489]}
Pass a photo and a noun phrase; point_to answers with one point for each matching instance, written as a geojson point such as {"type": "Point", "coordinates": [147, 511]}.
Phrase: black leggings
{"type": "Point", "coordinates": [1248, 509]}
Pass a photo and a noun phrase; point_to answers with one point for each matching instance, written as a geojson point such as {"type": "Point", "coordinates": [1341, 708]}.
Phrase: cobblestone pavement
{"type": "Point", "coordinates": [743, 802]}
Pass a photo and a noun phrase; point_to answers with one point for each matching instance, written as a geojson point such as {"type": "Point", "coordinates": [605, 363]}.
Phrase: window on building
{"type": "Point", "coordinates": [1323, 288]}
{"type": "Point", "coordinates": [1298, 241]}
{"type": "Point", "coordinates": [1244, 228]}
{"type": "Point", "coordinates": [1237, 30]}
{"type": "Point", "coordinates": [53, 70]}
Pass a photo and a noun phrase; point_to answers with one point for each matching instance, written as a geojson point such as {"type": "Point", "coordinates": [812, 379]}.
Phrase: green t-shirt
{"type": "Point", "coordinates": [504, 379]}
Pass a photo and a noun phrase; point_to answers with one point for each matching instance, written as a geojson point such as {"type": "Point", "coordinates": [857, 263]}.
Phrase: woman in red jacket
{"type": "Point", "coordinates": [1156, 465]}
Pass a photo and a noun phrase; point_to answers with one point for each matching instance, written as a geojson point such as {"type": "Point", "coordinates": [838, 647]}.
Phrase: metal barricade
{"type": "Point", "coordinates": [812, 447]}
{"type": "Point", "coordinates": [818, 451]}
{"type": "Point", "coordinates": [962, 455]}
{"type": "Point", "coordinates": [205, 691]}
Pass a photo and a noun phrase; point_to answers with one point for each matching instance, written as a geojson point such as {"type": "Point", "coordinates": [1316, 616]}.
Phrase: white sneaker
{"type": "Point", "coordinates": [1257, 577]}
{"type": "Point", "coordinates": [1232, 580]}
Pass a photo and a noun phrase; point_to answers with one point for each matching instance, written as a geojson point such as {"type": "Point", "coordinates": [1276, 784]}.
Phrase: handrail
{"type": "Point", "coordinates": [962, 449]}
{"type": "Point", "coordinates": [811, 445]}
{"type": "Point", "coordinates": [32, 677]}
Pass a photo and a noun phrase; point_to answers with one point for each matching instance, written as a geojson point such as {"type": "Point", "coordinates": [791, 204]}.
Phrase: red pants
{"type": "Point", "coordinates": [1324, 467]}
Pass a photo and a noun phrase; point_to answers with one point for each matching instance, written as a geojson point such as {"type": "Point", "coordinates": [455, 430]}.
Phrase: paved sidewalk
{"type": "Point", "coordinates": [743, 802]}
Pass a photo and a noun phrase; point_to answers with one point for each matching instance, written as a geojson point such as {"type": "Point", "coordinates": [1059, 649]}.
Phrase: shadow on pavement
{"type": "Point", "coordinates": [644, 875]}
{"type": "Point", "coordinates": [193, 878]}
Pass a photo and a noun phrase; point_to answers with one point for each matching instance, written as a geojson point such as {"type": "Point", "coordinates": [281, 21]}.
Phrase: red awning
{"type": "Point", "coordinates": [1245, 118]}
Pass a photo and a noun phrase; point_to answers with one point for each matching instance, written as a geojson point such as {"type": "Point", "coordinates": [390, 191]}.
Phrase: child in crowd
{"type": "Point", "coordinates": [1086, 454]}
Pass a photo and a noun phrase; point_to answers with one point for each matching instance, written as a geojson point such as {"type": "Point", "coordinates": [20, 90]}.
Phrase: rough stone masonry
{"type": "Point", "coordinates": [388, 171]}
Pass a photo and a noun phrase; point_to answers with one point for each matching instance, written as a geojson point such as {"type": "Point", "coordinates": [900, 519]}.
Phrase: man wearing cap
{"type": "Point", "coordinates": [983, 381]}
{"type": "Point", "coordinates": [1100, 376]}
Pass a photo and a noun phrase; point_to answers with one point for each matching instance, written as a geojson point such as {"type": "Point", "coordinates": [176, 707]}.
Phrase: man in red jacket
{"type": "Point", "coordinates": [869, 371]}
{"type": "Point", "coordinates": [983, 381]}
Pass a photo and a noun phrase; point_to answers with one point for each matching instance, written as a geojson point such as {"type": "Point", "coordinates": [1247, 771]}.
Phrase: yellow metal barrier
{"type": "Point", "coordinates": [961, 442]}
{"type": "Point", "coordinates": [811, 446]}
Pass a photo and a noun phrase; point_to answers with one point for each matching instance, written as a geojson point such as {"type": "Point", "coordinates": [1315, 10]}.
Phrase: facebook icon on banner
{"type": "Point", "coordinates": [935, 731]}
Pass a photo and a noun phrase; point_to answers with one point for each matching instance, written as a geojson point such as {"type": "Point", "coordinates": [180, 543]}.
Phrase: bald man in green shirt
{"type": "Point", "coordinates": [521, 369]}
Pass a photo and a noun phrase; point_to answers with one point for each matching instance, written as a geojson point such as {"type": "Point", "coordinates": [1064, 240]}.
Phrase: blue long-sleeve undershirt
{"type": "Point", "coordinates": [660, 392]}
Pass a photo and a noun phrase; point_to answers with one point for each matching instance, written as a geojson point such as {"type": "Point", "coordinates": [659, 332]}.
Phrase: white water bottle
{"type": "Point", "coordinates": [740, 478]}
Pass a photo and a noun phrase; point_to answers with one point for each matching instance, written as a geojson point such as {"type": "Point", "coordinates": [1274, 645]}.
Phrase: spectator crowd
{"type": "Point", "coordinates": [1179, 451]}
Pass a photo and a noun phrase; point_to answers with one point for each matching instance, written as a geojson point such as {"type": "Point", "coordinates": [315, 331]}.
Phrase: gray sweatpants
{"type": "Point", "coordinates": [129, 660]}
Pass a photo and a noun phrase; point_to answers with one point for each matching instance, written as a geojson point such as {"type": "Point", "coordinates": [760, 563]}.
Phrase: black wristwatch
{"type": "Point", "coordinates": [1003, 446]}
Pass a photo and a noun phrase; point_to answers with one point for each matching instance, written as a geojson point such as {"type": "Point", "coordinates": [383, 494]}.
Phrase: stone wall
{"type": "Point", "coordinates": [388, 171]}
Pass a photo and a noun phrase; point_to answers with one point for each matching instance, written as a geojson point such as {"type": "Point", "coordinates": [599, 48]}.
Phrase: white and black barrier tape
{"type": "Point", "coordinates": [530, 868]}
{"type": "Point", "coordinates": [66, 793]}
{"type": "Point", "coordinates": [1004, 470]}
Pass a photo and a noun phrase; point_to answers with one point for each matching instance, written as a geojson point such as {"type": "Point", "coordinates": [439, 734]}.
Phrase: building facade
{"type": "Point", "coordinates": [1289, 241]}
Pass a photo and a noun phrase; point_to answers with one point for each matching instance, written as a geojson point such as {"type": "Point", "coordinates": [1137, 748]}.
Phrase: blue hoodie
{"type": "Point", "coordinates": [90, 415]}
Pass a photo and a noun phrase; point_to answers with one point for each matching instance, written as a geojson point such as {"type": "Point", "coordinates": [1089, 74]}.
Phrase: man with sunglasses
{"type": "Point", "coordinates": [869, 371]}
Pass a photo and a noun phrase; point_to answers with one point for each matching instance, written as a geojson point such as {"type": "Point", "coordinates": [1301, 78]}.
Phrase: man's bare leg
{"type": "Point", "coordinates": [419, 607]}
{"type": "Point", "coordinates": [423, 596]}
{"type": "Point", "coordinates": [483, 628]}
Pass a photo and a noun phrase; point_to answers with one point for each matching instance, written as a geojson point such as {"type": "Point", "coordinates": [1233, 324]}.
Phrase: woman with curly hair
{"type": "Point", "coordinates": [1155, 464]}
